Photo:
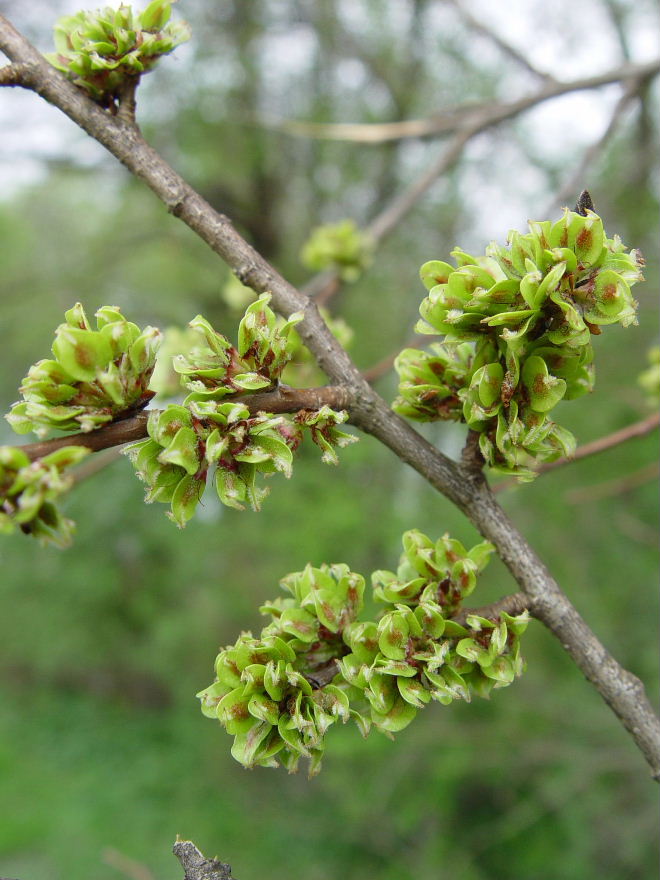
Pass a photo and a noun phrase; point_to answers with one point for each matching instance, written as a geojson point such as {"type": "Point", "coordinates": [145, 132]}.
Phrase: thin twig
{"type": "Point", "coordinates": [127, 866]}
{"type": "Point", "coordinates": [324, 286]}
{"type": "Point", "coordinates": [393, 214]}
{"type": "Point", "coordinates": [611, 488]}
{"type": "Point", "coordinates": [92, 466]}
{"type": "Point", "coordinates": [602, 444]}
{"type": "Point", "coordinates": [617, 13]}
{"type": "Point", "coordinates": [113, 434]}
{"type": "Point", "coordinates": [621, 690]}
{"type": "Point", "coordinates": [502, 44]}
{"type": "Point", "coordinates": [609, 441]}
{"type": "Point", "coordinates": [577, 179]}
{"type": "Point", "coordinates": [467, 122]}
{"type": "Point", "coordinates": [514, 604]}
{"type": "Point", "coordinates": [461, 116]}
{"type": "Point", "coordinates": [636, 529]}
{"type": "Point", "coordinates": [371, 374]}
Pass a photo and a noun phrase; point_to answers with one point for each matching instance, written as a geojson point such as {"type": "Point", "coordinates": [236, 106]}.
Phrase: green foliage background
{"type": "Point", "coordinates": [102, 745]}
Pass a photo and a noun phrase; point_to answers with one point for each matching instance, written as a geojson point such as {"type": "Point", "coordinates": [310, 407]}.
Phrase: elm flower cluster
{"type": "Point", "coordinates": [95, 376]}
{"type": "Point", "coordinates": [516, 327]}
{"type": "Point", "coordinates": [319, 661]}
{"type": "Point", "coordinates": [213, 431]}
{"type": "Point", "coordinates": [184, 442]}
{"type": "Point", "coordinates": [215, 368]}
{"type": "Point", "coordinates": [340, 246]}
{"type": "Point", "coordinates": [29, 490]}
{"type": "Point", "coordinates": [101, 51]}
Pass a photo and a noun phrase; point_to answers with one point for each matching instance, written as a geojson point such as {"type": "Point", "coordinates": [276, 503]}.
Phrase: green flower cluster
{"type": "Point", "coordinates": [322, 427]}
{"type": "Point", "coordinates": [96, 376]}
{"type": "Point", "coordinates": [421, 649]}
{"type": "Point", "coordinates": [340, 246]}
{"type": "Point", "coordinates": [302, 370]}
{"type": "Point", "coordinates": [102, 50]}
{"type": "Point", "coordinates": [28, 490]}
{"type": "Point", "coordinates": [431, 382]}
{"type": "Point", "coordinates": [217, 369]}
{"type": "Point", "coordinates": [212, 430]}
{"type": "Point", "coordinates": [517, 325]}
{"type": "Point", "coordinates": [317, 662]}
{"type": "Point", "coordinates": [184, 442]}
{"type": "Point", "coordinates": [265, 693]}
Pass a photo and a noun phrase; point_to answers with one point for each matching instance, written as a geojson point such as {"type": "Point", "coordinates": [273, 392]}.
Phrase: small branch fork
{"type": "Point", "coordinates": [462, 116]}
{"type": "Point", "coordinates": [465, 486]}
{"type": "Point", "coordinates": [16, 75]}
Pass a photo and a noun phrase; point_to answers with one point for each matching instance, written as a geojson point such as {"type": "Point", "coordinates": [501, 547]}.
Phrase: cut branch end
{"type": "Point", "coordinates": [196, 866]}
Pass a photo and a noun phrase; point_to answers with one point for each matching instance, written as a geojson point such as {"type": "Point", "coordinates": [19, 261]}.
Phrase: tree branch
{"type": "Point", "coordinates": [609, 441]}
{"type": "Point", "coordinates": [467, 123]}
{"type": "Point", "coordinates": [462, 116]}
{"type": "Point", "coordinates": [113, 434]}
{"type": "Point", "coordinates": [94, 465]}
{"type": "Point", "coordinates": [505, 47]}
{"type": "Point", "coordinates": [393, 214]}
{"type": "Point", "coordinates": [576, 181]}
{"type": "Point", "coordinates": [619, 486]}
{"type": "Point", "coordinates": [324, 285]}
{"type": "Point", "coordinates": [126, 100]}
{"type": "Point", "coordinates": [198, 867]}
{"type": "Point", "coordinates": [468, 490]}
{"type": "Point", "coordinates": [602, 444]}
{"type": "Point", "coordinates": [374, 372]}
{"type": "Point", "coordinates": [282, 400]}
{"type": "Point", "coordinates": [514, 604]}
{"type": "Point", "coordinates": [621, 690]}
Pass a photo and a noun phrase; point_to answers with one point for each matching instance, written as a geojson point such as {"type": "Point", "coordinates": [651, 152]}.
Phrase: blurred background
{"type": "Point", "coordinates": [104, 754]}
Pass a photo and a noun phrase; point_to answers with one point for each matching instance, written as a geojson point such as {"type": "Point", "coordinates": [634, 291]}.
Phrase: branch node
{"type": "Point", "coordinates": [248, 274]}
{"type": "Point", "coordinates": [17, 74]}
